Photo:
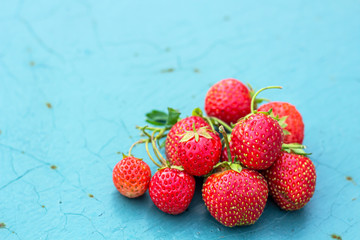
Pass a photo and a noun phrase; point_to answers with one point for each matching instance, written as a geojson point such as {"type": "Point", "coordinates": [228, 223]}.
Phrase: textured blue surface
{"type": "Point", "coordinates": [103, 64]}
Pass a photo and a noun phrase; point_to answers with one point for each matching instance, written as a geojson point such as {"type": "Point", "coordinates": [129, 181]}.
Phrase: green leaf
{"type": "Point", "coordinates": [173, 117]}
{"type": "Point", "coordinates": [156, 123]}
{"type": "Point", "coordinates": [157, 117]}
{"type": "Point", "coordinates": [160, 118]}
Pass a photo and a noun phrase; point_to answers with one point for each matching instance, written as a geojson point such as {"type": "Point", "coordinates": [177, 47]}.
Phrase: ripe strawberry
{"type": "Point", "coordinates": [228, 100]}
{"type": "Point", "coordinates": [174, 136]}
{"type": "Point", "coordinates": [235, 198]}
{"type": "Point", "coordinates": [131, 177]}
{"type": "Point", "coordinates": [256, 141]}
{"type": "Point", "coordinates": [171, 190]}
{"type": "Point", "coordinates": [199, 151]}
{"type": "Point", "coordinates": [291, 180]}
{"type": "Point", "coordinates": [294, 120]}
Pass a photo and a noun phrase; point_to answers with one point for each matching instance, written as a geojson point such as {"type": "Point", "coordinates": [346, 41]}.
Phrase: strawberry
{"type": "Point", "coordinates": [235, 198]}
{"type": "Point", "coordinates": [199, 150]}
{"type": "Point", "coordinates": [171, 190]}
{"type": "Point", "coordinates": [174, 136]}
{"type": "Point", "coordinates": [295, 125]}
{"type": "Point", "coordinates": [256, 141]}
{"type": "Point", "coordinates": [131, 177]}
{"type": "Point", "coordinates": [291, 180]}
{"type": "Point", "coordinates": [228, 100]}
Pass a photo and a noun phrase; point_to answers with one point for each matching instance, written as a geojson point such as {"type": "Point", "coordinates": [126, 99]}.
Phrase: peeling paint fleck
{"type": "Point", "coordinates": [350, 179]}
{"type": "Point", "coordinates": [335, 236]}
{"type": "Point", "coordinates": [49, 105]}
{"type": "Point", "coordinates": [167, 70]}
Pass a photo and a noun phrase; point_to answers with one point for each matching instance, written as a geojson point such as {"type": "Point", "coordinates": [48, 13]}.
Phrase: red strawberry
{"type": "Point", "coordinates": [228, 100]}
{"type": "Point", "coordinates": [131, 177]}
{"type": "Point", "coordinates": [235, 198]}
{"type": "Point", "coordinates": [256, 141]}
{"type": "Point", "coordinates": [174, 136]}
{"type": "Point", "coordinates": [171, 190]}
{"type": "Point", "coordinates": [294, 120]}
{"type": "Point", "coordinates": [199, 151]}
{"type": "Point", "coordinates": [291, 180]}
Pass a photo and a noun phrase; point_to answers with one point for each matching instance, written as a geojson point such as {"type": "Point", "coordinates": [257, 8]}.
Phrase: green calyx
{"type": "Point", "coordinates": [229, 166]}
{"type": "Point", "coordinates": [180, 168]}
{"type": "Point", "coordinates": [196, 133]}
{"type": "Point", "coordinates": [281, 121]}
{"type": "Point", "coordinates": [168, 165]}
{"type": "Point", "coordinates": [295, 148]}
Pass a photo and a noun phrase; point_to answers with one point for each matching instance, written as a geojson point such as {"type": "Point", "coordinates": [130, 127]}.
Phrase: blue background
{"type": "Point", "coordinates": [103, 64]}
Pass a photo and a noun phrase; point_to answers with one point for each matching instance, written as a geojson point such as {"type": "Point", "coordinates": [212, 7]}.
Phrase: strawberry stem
{"type": "Point", "coordinates": [156, 150]}
{"type": "Point", "coordinates": [255, 95]}
{"type": "Point", "coordinates": [227, 145]}
{"type": "Point", "coordinates": [143, 130]}
{"type": "Point", "coordinates": [148, 153]}
{"type": "Point", "coordinates": [217, 121]}
{"type": "Point", "coordinates": [134, 144]}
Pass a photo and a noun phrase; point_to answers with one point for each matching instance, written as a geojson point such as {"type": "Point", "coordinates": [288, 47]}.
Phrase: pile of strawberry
{"type": "Point", "coordinates": [243, 152]}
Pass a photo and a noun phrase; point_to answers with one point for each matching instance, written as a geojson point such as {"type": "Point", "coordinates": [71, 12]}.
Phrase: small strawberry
{"type": "Point", "coordinates": [228, 100]}
{"type": "Point", "coordinates": [131, 177]}
{"type": "Point", "coordinates": [235, 198]}
{"type": "Point", "coordinates": [174, 136]}
{"type": "Point", "coordinates": [171, 190]}
{"type": "Point", "coordinates": [199, 150]}
{"type": "Point", "coordinates": [295, 124]}
{"type": "Point", "coordinates": [256, 139]}
{"type": "Point", "coordinates": [291, 180]}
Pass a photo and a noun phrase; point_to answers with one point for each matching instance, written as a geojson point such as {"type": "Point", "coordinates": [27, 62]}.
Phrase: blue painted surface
{"type": "Point", "coordinates": [103, 64]}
